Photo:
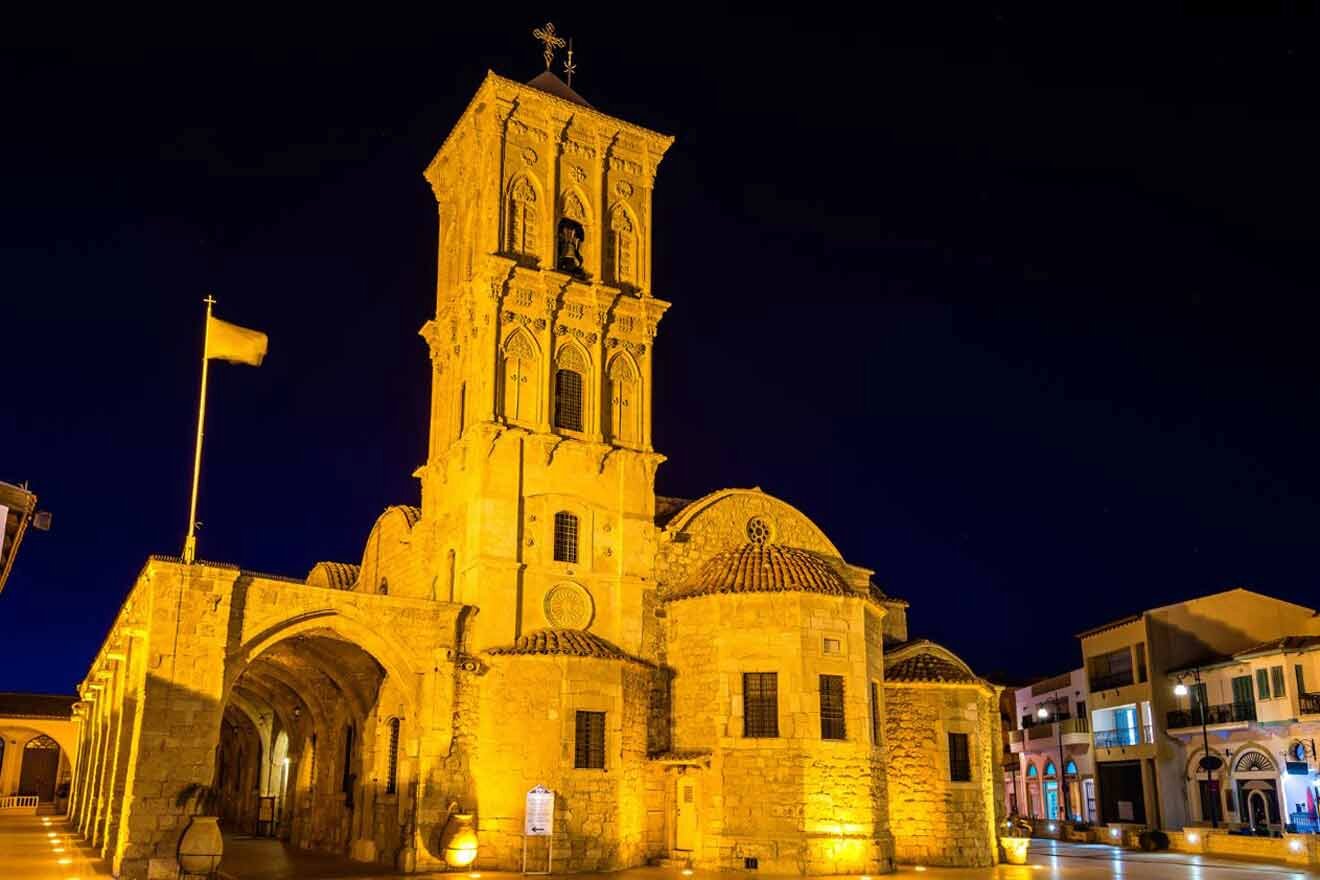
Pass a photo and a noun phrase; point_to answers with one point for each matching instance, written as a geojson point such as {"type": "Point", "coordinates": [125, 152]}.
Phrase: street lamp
{"type": "Point", "coordinates": [1208, 762]}
{"type": "Point", "coordinates": [1042, 713]}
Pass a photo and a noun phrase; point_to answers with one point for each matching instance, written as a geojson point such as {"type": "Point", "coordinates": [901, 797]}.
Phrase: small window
{"type": "Point", "coordinates": [760, 704]}
{"type": "Point", "coordinates": [1141, 662]}
{"type": "Point", "coordinates": [566, 537]}
{"type": "Point", "coordinates": [960, 762]}
{"type": "Point", "coordinates": [1276, 680]}
{"type": "Point", "coordinates": [462, 408]}
{"type": "Point", "coordinates": [831, 708]}
{"type": "Point", "coordinates": [1262, 684]}
{"type": "Point", "coordinates": [392, 770]}
{"type": "Point", "coordinates": [875, 714]}
{"type": "Point", "coordinates": [589, 741]}
{"type": "Point", "coordinates": [1301, 679]}
{"type": "Point", "coordinates": [568, 400]}
{"type": "Point", "coordinates": [831, 647]}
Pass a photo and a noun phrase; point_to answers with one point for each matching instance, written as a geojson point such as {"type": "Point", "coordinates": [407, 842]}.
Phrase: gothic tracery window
{"type": "Point", "coordinates": [622, 399]}
{"type": "Point", "coordinates": [520, 387]}
{"type": "Point", "coordinates": [622, 248]}
{"type": "Point", "coordinates": [570, 379]}
{"type": "Point", "coordinates": [522, 218]}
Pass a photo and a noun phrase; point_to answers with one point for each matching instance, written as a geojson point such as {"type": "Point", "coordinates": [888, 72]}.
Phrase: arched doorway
{"type": "Point", "coordinates": [1255, 778]}
{"type": "Point", "coordinates": [41, 766]}
{"type": "Point", "coordinates": [305, 747]}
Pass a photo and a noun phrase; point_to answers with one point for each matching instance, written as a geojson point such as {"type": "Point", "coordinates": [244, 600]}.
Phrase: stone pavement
{"type": "Point", "coordinates": [28, 851]}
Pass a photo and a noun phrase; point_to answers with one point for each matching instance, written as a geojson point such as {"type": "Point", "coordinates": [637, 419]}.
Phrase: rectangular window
{"type": "Point", "coordinates": [960, 760]}
{"type": "Point", "coordinates": [589, 741]}
{"type": "Point", "coordinates": [1112, 670]}
{"type": "Point", "coordinates": [1141, 662]}
{"type": "Point", "coordinates": [568, 400]}
{"type": "Point", "coordinates": [462, 408]}
{"type": "Point", "coordinates": [760, 704]}
{"type": "Point", "coordinates": [832, 647]}
{"type": "Point", "coordinates": [1196, 696]}
{"type": "Point", "coordinates": [1263, 684]}
{"type": "Point", "coordinates": [566, 537]}
{"type": "Point", "coordinates": [875, 714]}
{"type": "Point", "coordinates": [1301, 679]}
{"type": "Point", "coordinates": [1276, 680]}
{"type": "Point", "coordinates": [831, 707]}
{"type": "Point", "coordinates": [1243, 696]}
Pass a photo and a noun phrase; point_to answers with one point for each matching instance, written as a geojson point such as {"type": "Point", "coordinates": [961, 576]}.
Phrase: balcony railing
{"type": "Point", "coordinates": [1111, 682]}
{"type": "Point", "coordinates": [1223, 713]}
{"type": "Point", "coordinates": [1123, 736]}
{"type": "Point", "coordinates": [1310, 703]}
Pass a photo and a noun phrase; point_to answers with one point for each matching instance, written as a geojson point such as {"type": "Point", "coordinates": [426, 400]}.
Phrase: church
{"type": "Point", "coordinates": [545, 664]}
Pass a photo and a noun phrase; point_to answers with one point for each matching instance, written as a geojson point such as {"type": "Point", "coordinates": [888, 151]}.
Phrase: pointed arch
{"type": "Point", "coordinates": [622, 256]}
{"type": "Point", "coordinates": [519, 378]}
{"type": "Point", "coordinates": [523, 217]}
{"type": "Point", "coordinates": [574, 205]}
{"type": "Point", "coordinates": [571, 371]}
{"type": "Point", "coordinates": [623, 400]}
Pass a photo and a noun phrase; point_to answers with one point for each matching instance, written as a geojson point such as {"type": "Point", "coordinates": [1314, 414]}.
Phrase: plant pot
{"type": "Point", "coordinates": [201, 845]}
{"type": "Point", "coordinates": [1015, 849]}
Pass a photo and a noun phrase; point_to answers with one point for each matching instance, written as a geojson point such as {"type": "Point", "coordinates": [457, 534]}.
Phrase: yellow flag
{"type": "Point", "coordinates": [230, 342]}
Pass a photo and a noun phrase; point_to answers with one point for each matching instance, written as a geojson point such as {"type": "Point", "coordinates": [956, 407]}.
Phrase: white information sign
{"type": "Point", "coordinates": [540, 821]}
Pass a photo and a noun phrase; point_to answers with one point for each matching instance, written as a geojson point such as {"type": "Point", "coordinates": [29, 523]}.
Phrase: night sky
{"type": "Point", "coordinates": [1018, 306]}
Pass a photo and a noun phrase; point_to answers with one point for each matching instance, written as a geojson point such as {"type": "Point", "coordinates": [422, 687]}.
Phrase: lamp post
{"type": "Point", "coordinates": [1208, 764]}
{"type": "Point", "coordinates": [1063, 762]}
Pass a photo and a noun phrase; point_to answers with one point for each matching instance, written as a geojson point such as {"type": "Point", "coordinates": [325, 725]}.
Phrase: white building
{"type": "Point", "coordinates": [1055, 776]}
{"type": "Point", "coordinates": [1261, 722]}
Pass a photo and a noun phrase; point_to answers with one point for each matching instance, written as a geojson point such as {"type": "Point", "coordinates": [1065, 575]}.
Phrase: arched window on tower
{"type": "Point", "coordinates": [622, 258]}
{"type": "Point", "coordinates": [570, 375]}
{"type": "Point", "coordinates": [566, 537]}
{"type": "Point", "coordinates": [522, 218]}
{"type": "Point", "coordinates": [518, 403]}
{"type": "Point", "coordinates": [624, 414]}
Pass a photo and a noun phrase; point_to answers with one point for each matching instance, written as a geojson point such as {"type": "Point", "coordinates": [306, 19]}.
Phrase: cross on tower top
{"type": "Point", "coordinates": [551, 40]}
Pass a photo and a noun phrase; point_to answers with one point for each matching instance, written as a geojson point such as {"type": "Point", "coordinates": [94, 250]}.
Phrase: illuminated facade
{"type": "Point", "coordinates": [705, 681]}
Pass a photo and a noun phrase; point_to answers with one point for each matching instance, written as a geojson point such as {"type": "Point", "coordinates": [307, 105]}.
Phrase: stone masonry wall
{"type": "Point", "coordinates": [936, 821]}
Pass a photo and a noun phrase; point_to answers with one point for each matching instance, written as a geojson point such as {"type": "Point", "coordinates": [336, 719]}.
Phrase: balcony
{"type": "Point", "coordinates": [1124, 737]}
{"type": "Point", "coordinates": [1309, 704]}
{"type": "Point", "coordinates": [1111, 682]}
{"type": "Point", "coordinates": [1033, 737]}
{"type": "Point", "coordinates": [1224, 713]}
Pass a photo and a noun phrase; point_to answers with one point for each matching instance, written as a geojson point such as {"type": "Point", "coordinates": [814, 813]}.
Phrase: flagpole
{"type": "Point", "coordinates": [190, 542]}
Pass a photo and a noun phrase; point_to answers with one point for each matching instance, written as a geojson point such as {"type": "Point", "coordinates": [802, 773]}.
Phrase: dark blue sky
{"type": "Point", "coordinates": [1019, 307]}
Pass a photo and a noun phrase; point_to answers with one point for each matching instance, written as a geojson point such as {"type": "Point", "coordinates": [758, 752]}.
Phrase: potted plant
{"type": "Point", "coordinates": [1015, 838]}
{"type": "Point", "coordinates": [201, 844]}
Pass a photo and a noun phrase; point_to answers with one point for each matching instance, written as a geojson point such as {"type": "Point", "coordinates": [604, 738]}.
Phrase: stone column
{"type": "Point", "coordinates": [78, 790]}
{"type": "Point", "coordinates": [121, 767]}
{"type": "Point", "coordinates": [114, 696]}
{"type": "Point", "coordinates": [94, 763]}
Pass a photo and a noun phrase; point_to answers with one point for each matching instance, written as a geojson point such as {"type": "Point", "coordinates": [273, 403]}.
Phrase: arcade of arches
{"type": "Point", "coordinates": [704, 680]}
{"type": "Point", "coordinates": [36, 742]}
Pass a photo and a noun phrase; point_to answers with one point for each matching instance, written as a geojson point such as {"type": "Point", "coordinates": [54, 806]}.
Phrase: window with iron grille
{"type": "Point", "coordinates": [875, 714]}
{"type": "Point", "coordinates": [568, 400]}
{"type": "Point", "coordinates": [566, 537]}
{"type": "Point", "coordinates": [831, 707]}
{"type": "Point", "coordinates": [960, 761]}
{"type": "Point", "coordinates": [589, 741]}
{"type": "Point", "coordinates": [392, 772]}
{"type": "Point", "coordinates": [760, 704]}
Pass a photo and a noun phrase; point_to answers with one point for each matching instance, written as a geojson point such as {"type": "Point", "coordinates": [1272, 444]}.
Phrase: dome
{"type": "Point", "coordinates": [764, 568]}
{"type": "Point", "coordinates": [566, 643]}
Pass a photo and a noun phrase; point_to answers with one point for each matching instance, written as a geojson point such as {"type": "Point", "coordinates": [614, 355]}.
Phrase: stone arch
{"type": "Point", "coordinates": [623, 400]}
{"type": "Point", "coordinates": [574, 204]}
{"type": "Point", "coordinates": [380, 647]}
{"type": "Point", "coordinates": [802, 532]}
{"type": "Point", "coordinates": [1254, 759]}
{"type": "Point", "coordinates": [1190, 768]}
{"type": "Point", "coordinates": [520, 384]}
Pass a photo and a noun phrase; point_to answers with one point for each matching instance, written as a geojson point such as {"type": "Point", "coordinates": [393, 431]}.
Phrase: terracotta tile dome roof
{"type": "Point", "coordinates": [567, 643]}
{"type": "Point", "coordinates": [764, 568]}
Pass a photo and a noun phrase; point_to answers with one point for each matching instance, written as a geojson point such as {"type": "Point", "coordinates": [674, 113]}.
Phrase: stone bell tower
{"type": "Point", "coordinates": [538, 491]}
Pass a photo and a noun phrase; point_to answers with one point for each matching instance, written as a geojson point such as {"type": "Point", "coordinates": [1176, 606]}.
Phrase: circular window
{"type": "Point", "coordinates": [758, 530]}
{"type": "Point", "coordinates": [569, 606]}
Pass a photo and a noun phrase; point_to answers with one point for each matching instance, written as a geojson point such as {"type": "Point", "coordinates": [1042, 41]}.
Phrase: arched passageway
{"type": "Point", "coordinates": [32, 763]}
{"type": "Point", "coordinates": [308, 748]}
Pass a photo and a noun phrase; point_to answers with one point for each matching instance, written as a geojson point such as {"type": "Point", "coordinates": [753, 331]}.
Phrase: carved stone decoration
{"type": "Point", "coordinates": [574, 209]}
{"type": "Point", "coordinates": [569, 606]}
{"type": "Point", "coordinates": [624, 189]}
{"type": "Point", "coordinates": [578, 174]}
{"type": "Point", "coordinates": [529, 156]}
